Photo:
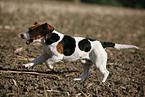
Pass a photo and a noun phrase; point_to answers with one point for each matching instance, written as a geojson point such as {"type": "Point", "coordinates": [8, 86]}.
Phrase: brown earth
{"type": "Point", "coordinates": [120, 25]}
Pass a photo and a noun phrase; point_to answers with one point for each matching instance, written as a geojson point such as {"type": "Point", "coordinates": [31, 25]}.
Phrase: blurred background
{"type": "Point", "coordinates": [119, 21]}
{"type": "Point", "coordinates": [120, 3]}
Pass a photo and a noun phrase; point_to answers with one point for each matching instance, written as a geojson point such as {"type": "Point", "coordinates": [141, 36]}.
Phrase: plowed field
{"type": "Point", "coordinates": [119, 25]}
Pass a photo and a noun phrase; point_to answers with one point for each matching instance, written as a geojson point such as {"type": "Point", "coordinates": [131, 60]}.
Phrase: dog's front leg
{"type": "Point", "coordinates": [38, 60]}
{"type": "Point", "coordinates": [53, 60]}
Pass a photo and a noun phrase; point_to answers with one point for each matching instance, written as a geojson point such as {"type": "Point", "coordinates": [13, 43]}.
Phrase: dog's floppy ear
{"type": "Point", "coordinates": [35, 23]}
{"type": "Point", "coordinates": [51, 28]}
{"type": "Point", "coordinates": [48, 28]}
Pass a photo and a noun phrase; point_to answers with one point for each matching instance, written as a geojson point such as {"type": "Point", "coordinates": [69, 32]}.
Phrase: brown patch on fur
{"type": "Point", "coordinates": [37, 31]}
{"type": "Point", "coordinates": [35, 23]}
{"type": "Point", "coordinates": [34, 26]}
{"type": "Point", "coordinates": [38, 37]}
{"type": "Point", "coordinates": [60, 47]}
{"type": "Point", "coordinates": [51, 28]}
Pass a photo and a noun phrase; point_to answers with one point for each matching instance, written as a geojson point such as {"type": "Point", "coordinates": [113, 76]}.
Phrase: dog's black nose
{"type": "Point", "coordinates": [22, 36]}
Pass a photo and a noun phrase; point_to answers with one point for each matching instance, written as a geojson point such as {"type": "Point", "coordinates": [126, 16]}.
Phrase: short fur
{"type": "Point", "coordinates": [58, 47]}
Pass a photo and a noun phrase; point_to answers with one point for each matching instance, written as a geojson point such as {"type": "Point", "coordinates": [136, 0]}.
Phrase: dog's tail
{"type": "Point", "coordinates": [118, 46]}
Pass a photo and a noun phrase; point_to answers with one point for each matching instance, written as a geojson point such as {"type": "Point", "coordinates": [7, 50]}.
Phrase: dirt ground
{"type": "Point", "coordinates": [119, 25]}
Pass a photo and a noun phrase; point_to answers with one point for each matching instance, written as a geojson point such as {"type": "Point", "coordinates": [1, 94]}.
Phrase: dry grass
{"type": "Point", "coordinates": [120, 25]}
{"type": "Point", "coordinates": [90, 18]}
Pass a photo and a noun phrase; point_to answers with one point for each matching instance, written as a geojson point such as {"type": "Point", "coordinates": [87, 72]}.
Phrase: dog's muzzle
{"type": "Point", "coordinates": [29, 41]}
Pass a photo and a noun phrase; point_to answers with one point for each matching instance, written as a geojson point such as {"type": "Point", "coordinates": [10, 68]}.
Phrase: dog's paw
{"type": "Point", "coordinates": [83, 61]}
{"type": "Point", "coordinates": [77, 79]}
{"type": "Point", "coordinates": [28, 65]}
{"type": "Point", "coordinates": [50, 67]}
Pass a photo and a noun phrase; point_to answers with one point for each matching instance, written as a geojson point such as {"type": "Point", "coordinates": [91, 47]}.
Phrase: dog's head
{"type": "Point", "coordinates": [37, 31]}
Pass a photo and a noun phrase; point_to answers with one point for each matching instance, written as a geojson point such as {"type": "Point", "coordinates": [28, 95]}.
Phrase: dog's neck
{"type": "Point", "coordinates": [48, 41]}
{"type": "Point", "coordinates": [60, 34]}
{"type": "Point", "coordinates": [53, 37]}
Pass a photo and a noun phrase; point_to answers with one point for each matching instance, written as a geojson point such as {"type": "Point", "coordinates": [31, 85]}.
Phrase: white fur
{"type": "Point", "coordinates": [97, 55]}
{"type": "Point", "coordinates": [122, 46]}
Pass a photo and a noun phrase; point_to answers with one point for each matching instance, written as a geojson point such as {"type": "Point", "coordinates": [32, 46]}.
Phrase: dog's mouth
{"type": "Point", "coordinates": [29, 41]}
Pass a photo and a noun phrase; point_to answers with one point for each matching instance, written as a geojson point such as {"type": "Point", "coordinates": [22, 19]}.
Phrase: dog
{"type": "Point", "coordinates": [58, 47]}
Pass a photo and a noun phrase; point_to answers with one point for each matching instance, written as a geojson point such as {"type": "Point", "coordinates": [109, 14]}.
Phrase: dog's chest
{"type": "Point", "coordinates": [51, 49]}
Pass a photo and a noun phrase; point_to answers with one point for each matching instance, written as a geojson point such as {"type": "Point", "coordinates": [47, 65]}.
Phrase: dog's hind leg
{"type": "Point", "coordinates": [85, 74]}
{"type": "Point", "coordinates": [99, 57]}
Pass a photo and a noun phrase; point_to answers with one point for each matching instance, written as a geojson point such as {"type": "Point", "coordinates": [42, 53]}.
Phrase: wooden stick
{"type": "Point", "coordinates": [35, 73]}
{"type": "Point", "coordinates": [52, 91]}
{"type": "Point", "coordinates": [26, 59]}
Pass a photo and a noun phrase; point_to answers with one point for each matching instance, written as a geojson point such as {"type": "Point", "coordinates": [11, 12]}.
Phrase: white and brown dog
{"type": "Point", "coordinates": [58, 47]}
